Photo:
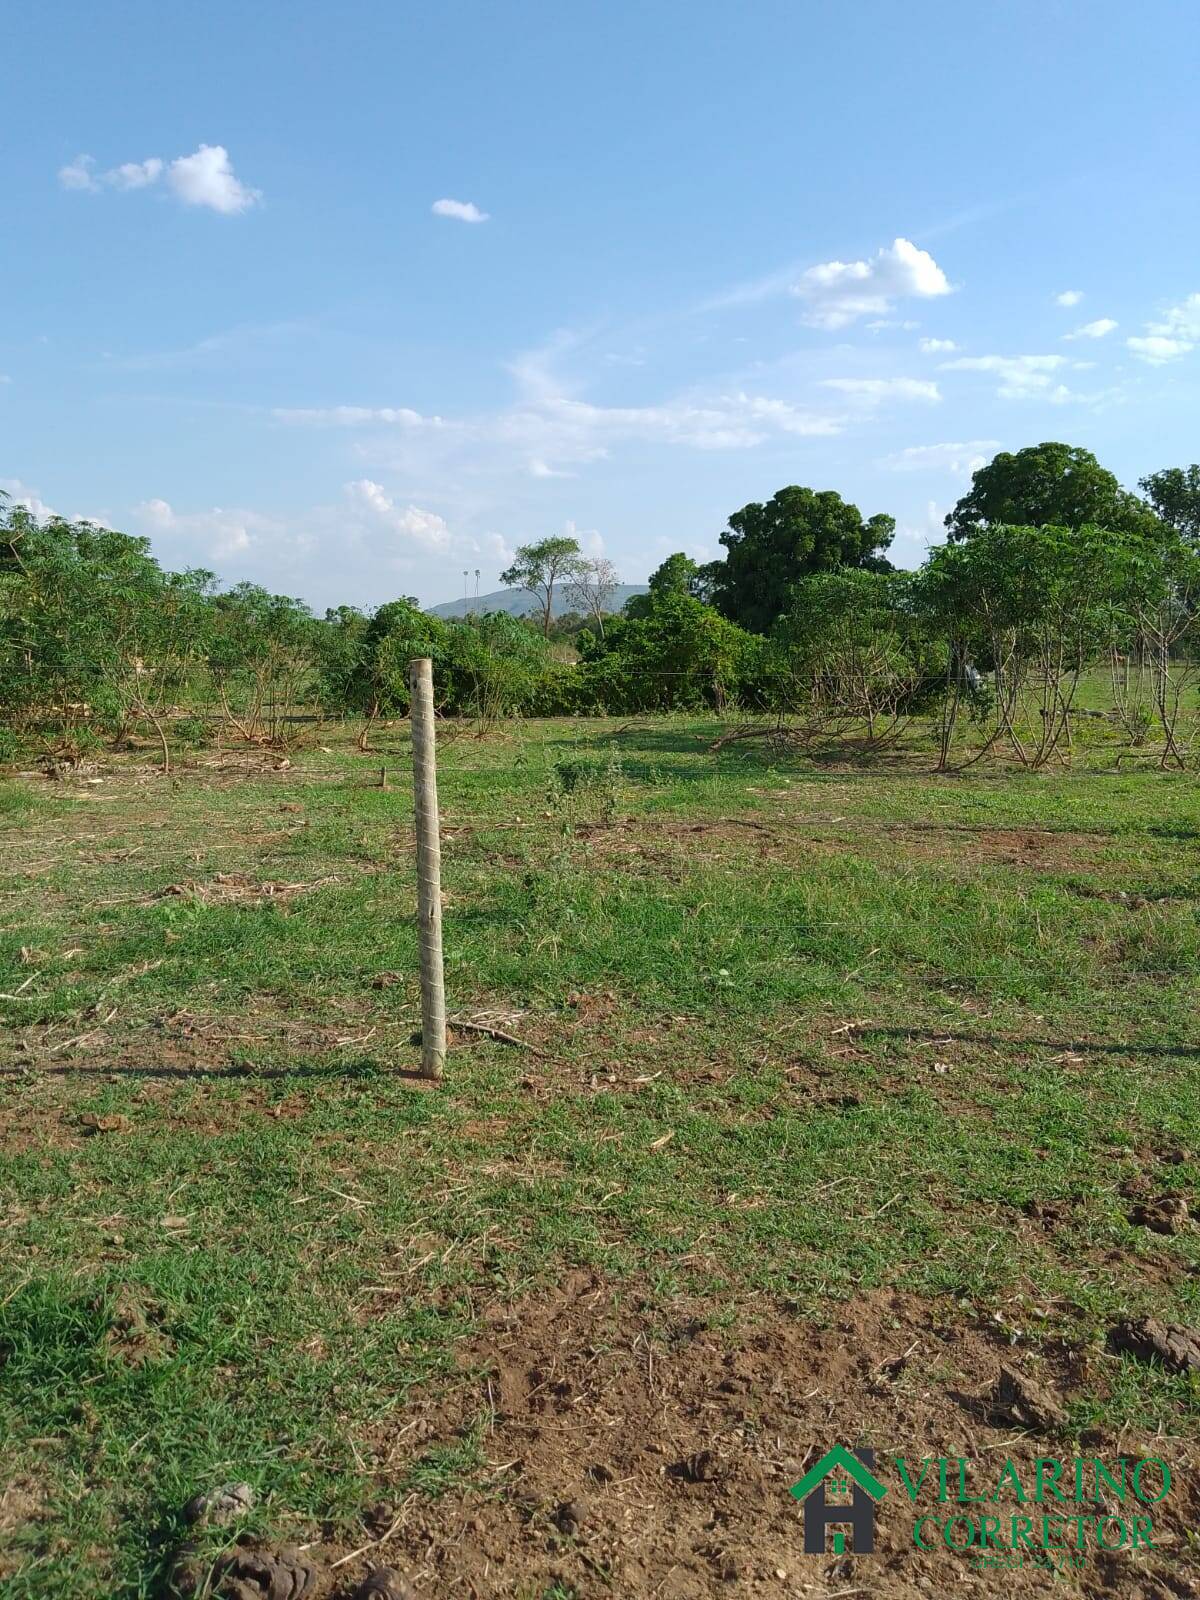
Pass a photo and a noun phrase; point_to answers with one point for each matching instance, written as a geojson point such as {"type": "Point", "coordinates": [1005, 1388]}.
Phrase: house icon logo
{"type": "Point", "coordinates": [844, 1472]}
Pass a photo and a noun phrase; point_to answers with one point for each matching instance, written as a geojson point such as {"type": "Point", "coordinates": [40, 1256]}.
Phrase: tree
{"type": "Point", "coordinates": [796, 533]}
{"type": "Point", "coordinates": [682, 653]}
{"type": "Point", "coordinates": [1175, 495]}
{"type": "Point", "coordinates": [592, 587]}
{"type": "Point", "coordinates": [1049, 485]}
{"type": "Point", "coordinates": [1038, 606]}
{"type": "Point", "coordinates": [850, 650]}
{"type": "Point", "coordinates": [679, 574]}
{"type": "Point", "coordinates": [540, 567]}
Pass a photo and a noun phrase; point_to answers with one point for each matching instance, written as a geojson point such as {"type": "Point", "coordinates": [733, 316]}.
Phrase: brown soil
{"type": "Point", "coordinates": [632, 1457]}
{"type": "Point", "coordinates": [780, 837]}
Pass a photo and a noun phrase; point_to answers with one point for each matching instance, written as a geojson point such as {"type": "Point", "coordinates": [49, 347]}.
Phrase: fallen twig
{"type": "Point", "coordinates": [489, 1031]}
{"type": "Point", "coordinates": [375, 1543]}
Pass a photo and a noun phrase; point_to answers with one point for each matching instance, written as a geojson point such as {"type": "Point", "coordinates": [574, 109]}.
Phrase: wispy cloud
{"type": "Point", "coordinates": [1175, 334]}
{"type": "Point", "coordinates": [1100, 329]}
{"type": "Point", "coordinates": [933, 347]}
{"type": "Point", "coordinates": [1021, 377]}
{"type": "Point", "coordinates": [875, 390]}
{"type": "Point", "coordinates": [460, 210]}
{"type": "Point", "coordinates": [1068, 297]}
{"type": "Point", "coordinates": [958, 459]}
{"type": "Point", "coordinates": [205, 178]}
{"type": "Point", "coordinates": [355, 416]}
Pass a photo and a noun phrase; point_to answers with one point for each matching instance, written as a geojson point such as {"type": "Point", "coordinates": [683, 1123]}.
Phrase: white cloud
{"type": "Point", "coordinates": [1020, 377]}
{"type": "Point", "coordinates": [213, 535]}
{"type": "Point", "coordinates": [1175, 335]}
{"type": "Point", "coordinates": [204, 178]}
{"type": "Point", "coordinates": [22, 495]}
{"type": "Point", "coordinates": [135, 174]}
{"type": "Point", "coordinates": [551, 430]}
{"type": "Point", "coordinates": [460, 210]}
{"type": "Point", "coordinates": [839, 292]}
{"type": "Point", "coordinates": [1069, 297]}
{"type": "Point", "coordinates": [356, 416]}
{"type": "Point", "coordinates": [78, 174]}
{"type": "Point", "coordinates": [409, 522]}
{"type": "Point", "coordinates": [876, 389]}
{"type": "Point", "coordinates": [933, 347]}
{"type": "Point", "coordinates": [578, 430]}
{"type": "Point", "coordinates": [1093, 330]}
{"type": "Point", "coordinates": [961, 460]}
{"type": "Point", "coordinates": [1157, 348]}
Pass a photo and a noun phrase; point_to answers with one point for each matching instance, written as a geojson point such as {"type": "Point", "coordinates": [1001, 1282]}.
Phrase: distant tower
{"type": "Point", "coordinates": [477, 583]}
{"type": "Point", "coordinates": [464, 583]}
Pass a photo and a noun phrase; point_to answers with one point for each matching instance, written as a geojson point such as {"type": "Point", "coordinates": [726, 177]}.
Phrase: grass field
{"type": "Point", "coordinates": [846, 1084]}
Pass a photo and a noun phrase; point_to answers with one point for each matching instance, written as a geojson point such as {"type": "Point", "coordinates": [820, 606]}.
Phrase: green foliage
{"type": "Point", "coordinates": [541, 568]}
{"type": "Point", "coordinates": [678, 575]}
{"type": "Point", "coordinates": [771, 547]}
{"type": "Point", "coordinates": [1037, 606]}
{"type": "Point", "coordinates": [91, 628]}
{"type": "Point", "coordinates": [680, 654]}
{"type": "Point", "coordinates": [1049, 485]}
{"type": "Point", "coordinates": [850, 648]}
{"type": "Point", "coordinates": [1175, 495]}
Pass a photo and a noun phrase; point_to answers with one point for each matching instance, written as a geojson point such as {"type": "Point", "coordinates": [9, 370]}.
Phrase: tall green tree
{"type": "Point", "coordinates": [1175, 495]}
{"type": "Point", "coordinates": [770, 547]}
{"type": "Point", "coordinates": [678, 574]}
{"type": "Point", "coordinates": [541, 568]}
{"type": "Point", "coordinates": [1049, 485]}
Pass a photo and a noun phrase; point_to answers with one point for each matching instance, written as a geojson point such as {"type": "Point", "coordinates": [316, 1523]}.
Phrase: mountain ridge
{"type": "Point", "coordinates": [520, 603]}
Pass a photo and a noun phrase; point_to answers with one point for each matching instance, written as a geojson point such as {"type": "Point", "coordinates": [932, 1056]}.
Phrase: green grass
{"type": "Point", "coordinates": [747, 1103]}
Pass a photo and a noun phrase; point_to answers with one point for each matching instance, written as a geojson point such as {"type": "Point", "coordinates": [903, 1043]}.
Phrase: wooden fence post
{"type": "Point", "coordinates": [429, 869]}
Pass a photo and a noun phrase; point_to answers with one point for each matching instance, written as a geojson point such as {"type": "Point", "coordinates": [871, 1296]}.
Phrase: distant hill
{"type": "Point", "coordinates": [519, 603]}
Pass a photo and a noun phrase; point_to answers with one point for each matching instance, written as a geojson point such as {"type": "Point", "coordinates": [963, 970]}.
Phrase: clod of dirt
{"type": "Point", "coordinates": [247, 1572]}
{"type": "Point", "coordinates": [1018, 1402]}
{"type": "Point", "coordinates": [570, 1516]}
{"type": "Point", "coordinates": [1149, 1339]}
{"type": "Point", "coordinates": [386, 980]}
{"type": "Point", "coordinates": [1167, 1213]}
{"type": "Point", "coordinates": [384, 1583]}
{"type": "Point", "coordinates": [91, 1123]}
{"type": "Point", "coordinates": [698, 1468]}
{"type": "Point", "coordinates": [216, 1507]}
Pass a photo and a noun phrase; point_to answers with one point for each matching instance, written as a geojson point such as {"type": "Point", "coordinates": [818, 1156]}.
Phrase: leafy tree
{"type": "Point", "coordinates": [494, 666]}
{"type": "Point", "coordinates": [264, 653]}
{"type": "Point", "coordinates": [540, 568]}
{"type": "Point", "coordinates": [1175, 495]}
{"type": "Point", "coordinates": [376, 683]}
{"type": "Point", "coordinates": [770, 547]}
{"type": "Point", "coordinates": [1049, 485]}
{"type": "Point", "coordinates": [678, 574]}
{"type": "Point", "coordinates": [850, 651]}
{"type": "Point", "coordinates": [92, 631]}
{"type": "Point", "coordinates": [1039, 606]}
{"type": "Point", "coordinates": [682, 653]}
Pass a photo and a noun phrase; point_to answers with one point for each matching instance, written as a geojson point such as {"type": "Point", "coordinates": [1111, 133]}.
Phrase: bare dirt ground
{"type": "Point", "coordinates": [631, 1458]}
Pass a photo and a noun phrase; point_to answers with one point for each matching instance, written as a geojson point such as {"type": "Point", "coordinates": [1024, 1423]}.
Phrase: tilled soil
{"type": "Point", "coordinates": [632, 1457]}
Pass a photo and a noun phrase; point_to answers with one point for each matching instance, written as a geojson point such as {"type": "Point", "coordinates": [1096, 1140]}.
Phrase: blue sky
{"type": "Point", "coordinates": [693, 252]}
